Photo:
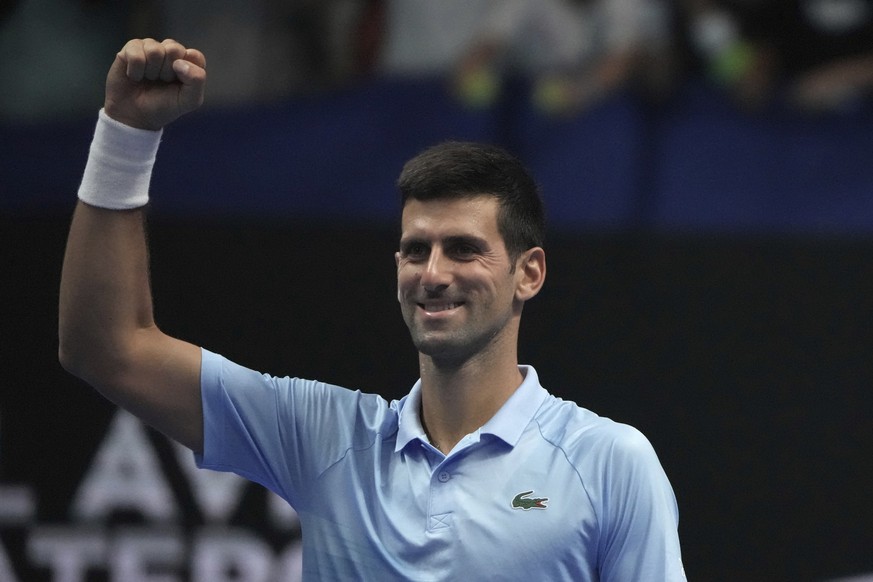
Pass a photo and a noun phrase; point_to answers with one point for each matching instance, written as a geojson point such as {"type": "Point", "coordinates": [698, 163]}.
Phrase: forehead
{"type": "Point", "coordinates": [474, 216]}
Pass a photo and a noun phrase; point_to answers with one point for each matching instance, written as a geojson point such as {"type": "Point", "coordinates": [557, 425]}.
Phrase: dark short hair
{"type": "Point", "coordinates": [465, 169]}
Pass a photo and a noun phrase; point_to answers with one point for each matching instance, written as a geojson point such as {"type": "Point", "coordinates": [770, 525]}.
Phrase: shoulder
{"type": "Point", "coordinates": [615, 463]}
{"type": "Point", "coordinates": [224, 381]}
{"type": "Point", "coordinates": [590, 440]}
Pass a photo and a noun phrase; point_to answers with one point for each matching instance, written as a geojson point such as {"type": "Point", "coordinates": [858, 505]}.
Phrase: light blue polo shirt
{"type": "Point", "coordinates": [545, 490]}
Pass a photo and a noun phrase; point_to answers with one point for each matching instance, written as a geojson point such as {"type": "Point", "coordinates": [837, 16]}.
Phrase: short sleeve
{"type": "Point", "coordinates": [279, 432]}
{"type": "Point", "coordinates": [640, 539]}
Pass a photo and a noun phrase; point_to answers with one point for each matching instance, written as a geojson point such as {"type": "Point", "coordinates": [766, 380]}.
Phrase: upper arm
{"type": "Point", "coordinates": [106, 331]}
{"type": "Point", "coordinates": [159, 381]}
{"type": "Point", "coordinates": [155, 377]}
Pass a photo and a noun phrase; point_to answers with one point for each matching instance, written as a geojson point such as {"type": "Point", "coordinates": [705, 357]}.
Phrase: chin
{"type": "Point", "coordinates": [434, 347]}
{"type": "Point", "coordinates": [449, 350]}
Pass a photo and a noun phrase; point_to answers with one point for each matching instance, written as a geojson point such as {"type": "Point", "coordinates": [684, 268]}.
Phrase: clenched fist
{"type": "Point", "coordinates": [152, 83]}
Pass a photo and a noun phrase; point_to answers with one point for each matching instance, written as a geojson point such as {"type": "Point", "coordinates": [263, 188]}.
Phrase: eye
{"type": "Point", "coordinates": [464, 250]}
{"type": "Point", "coordinates": [413, 250]}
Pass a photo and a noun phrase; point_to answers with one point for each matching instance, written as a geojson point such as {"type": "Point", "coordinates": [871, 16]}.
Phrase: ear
{"type": "Point", "coordinates": [397, 265]}
{"type": "Point", "coordinates": [531, 271]}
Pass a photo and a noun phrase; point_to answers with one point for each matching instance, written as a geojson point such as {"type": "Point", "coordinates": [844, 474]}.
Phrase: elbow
{"type": "Point", "coordinates": [66, 360]}
{"type": "Point", "coordinates": [84, 358]}
{"type": "Point", "coordinates": [68, 355]}
{"type": "Point", "coordinates": [72, 357]}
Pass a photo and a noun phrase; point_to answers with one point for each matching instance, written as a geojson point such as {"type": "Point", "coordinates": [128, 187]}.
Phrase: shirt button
{"type": "Point", "coordinates": [444, 476]}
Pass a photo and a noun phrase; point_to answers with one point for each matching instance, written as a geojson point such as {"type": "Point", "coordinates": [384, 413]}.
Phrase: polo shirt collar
{"type": "Point", "coordinates": [507, 424]}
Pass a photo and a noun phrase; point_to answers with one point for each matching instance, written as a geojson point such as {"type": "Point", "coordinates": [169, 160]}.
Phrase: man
{"type": "Point", "coordinates": [478, 473]}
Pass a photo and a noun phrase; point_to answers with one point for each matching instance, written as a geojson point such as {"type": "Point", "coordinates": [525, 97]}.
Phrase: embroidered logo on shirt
{"type": "Point", "coordinates": [522, 501]}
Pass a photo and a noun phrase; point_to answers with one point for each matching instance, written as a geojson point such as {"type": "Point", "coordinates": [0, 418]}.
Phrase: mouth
{"type": "Point", "coordinates": [434, 307]}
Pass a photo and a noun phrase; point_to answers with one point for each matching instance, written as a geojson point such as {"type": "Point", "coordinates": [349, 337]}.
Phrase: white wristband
{"type": "Point", "coordinates": [119, 166]}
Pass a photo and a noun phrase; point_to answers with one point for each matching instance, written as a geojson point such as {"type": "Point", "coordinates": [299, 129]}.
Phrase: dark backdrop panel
{"type": "Point", "coordinates": [747, 362]}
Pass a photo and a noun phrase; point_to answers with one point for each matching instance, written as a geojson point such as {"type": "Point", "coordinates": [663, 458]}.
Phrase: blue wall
{"type": "Point", "coordinates": [695, 163]}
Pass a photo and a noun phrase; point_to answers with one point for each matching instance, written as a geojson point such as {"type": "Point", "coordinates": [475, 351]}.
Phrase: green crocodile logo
{"type": "Point", "coordinates": [522, 501]}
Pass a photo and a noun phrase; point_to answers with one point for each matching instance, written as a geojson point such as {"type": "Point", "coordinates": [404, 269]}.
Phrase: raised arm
{"type": "Point", "coordinates": [107, 333]}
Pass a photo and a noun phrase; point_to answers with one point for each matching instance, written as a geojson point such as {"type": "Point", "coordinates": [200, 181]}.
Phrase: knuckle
{"type": "Point", "coordinates": [152, 47]}
{"type": "Point", "coordinates": [172, 46]}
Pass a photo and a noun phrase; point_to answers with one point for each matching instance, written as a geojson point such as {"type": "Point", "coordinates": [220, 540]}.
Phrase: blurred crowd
{"type": "Point", "coordinates": [815, 55]}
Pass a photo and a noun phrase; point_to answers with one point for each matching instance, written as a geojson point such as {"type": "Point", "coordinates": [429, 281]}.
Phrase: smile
{"type": "Point", "coordinates": [438, 307]}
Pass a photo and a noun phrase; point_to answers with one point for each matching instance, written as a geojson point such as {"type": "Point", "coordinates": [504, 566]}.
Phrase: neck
{"type": "Point", "coordinates": [457, 399]}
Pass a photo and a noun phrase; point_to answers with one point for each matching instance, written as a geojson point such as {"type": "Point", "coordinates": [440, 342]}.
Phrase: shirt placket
{"type": "Point", "coordinates": [443, 488]}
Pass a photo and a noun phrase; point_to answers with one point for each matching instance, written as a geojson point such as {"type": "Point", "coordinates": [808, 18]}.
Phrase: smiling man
{"type": "Point", "coordinates": [477, 474]}
{"type": "Point", "coordinates": [455, 276]}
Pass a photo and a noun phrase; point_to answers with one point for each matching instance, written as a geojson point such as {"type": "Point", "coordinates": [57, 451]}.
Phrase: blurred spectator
{"type": "Point", "coordinates": [818, 54]}
{"type": "Point", "coordinates": [258, 51]}
{"type": "Point", "coordinates": [576, 52]}
{"type": "Point", "coordinates": [267, 49]}
{"type": "Point", "coordinates": [428, 37]}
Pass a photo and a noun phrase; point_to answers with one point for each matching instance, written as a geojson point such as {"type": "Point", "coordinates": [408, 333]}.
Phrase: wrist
{"type": "Point", "coordinates": [119, 167]}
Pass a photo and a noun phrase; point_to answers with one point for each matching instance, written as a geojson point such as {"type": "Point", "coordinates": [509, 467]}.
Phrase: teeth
{"type": "Point", "coordinates": [435, 307]}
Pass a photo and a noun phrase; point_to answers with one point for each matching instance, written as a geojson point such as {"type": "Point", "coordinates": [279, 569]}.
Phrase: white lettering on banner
{"type": "Point", "coordinates": [125, 475]}
{"type": "Point", "coordinates": [17, 504]}
{"type": "Point", "coordinates": [145, 554]}
{"type": "Point", "coordinates": [141, 555]}
{"type": "Point", "coordinates": [68, 552]}
{"type": "Point", "coordinates": [289, 566]}
{"type": "Point", "coordinates": [7, 574]}
{"type": "Point", "coordinates": [225, 556]}
{"type": "Point", "coordinates": [219, 494]}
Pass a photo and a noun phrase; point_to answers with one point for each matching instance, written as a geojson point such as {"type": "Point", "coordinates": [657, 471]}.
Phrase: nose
{"type": "Point", "coordinates": [436, 274]}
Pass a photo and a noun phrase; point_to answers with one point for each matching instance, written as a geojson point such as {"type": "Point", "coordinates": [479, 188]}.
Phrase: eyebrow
{"type": "Point", "coordinates": [466, 239]}
{"type": "Point", "coordinates": [448, 241]}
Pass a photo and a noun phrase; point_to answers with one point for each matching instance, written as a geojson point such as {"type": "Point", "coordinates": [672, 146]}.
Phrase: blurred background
{"type": "Point", "coordinates": [707, 167]}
